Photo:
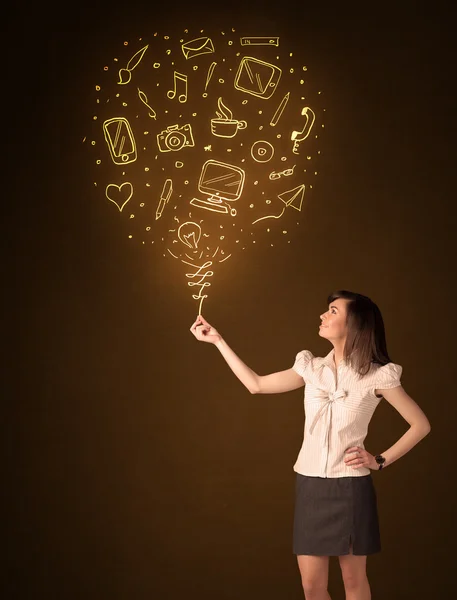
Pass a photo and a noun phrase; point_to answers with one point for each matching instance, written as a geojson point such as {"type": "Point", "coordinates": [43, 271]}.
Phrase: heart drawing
{"type": "Point", "coordinates": [119, 194]}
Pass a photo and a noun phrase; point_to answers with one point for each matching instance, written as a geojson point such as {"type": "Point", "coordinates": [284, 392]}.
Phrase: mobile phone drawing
{"type": "Point", "coordinates": [120, 140]}
{"type": "Point", "coordinates": [257, 77]}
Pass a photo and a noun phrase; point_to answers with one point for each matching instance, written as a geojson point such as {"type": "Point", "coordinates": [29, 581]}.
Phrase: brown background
{"type": "Point", "coordinates": [136, 465]}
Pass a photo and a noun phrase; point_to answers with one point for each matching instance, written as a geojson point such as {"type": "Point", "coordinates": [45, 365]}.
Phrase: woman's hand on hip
{"type": "Point", "coordinates": [357, 457]}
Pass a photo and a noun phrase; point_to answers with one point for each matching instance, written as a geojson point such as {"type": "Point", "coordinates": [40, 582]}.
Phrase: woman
{"type": "Point", "coordinates": [335, 507]}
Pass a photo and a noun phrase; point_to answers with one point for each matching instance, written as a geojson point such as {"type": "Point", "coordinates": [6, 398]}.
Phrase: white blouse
{"type": "Point", "coordinates": [339, 405]}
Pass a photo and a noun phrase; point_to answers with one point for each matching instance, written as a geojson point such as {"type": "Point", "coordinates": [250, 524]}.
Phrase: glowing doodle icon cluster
{"type": "Point", "coordinates": [202, 141]}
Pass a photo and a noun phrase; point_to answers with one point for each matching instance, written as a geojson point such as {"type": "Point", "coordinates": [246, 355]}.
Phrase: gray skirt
{"type": "Point", "coordinates": [331, 513]}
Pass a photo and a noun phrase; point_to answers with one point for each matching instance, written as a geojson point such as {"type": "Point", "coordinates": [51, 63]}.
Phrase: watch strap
{"type": "Point", "coordinates": [380, 460]}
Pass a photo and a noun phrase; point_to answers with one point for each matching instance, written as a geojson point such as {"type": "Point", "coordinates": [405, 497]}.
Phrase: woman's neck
{"type": "Point", "coordinates": [338, 352]}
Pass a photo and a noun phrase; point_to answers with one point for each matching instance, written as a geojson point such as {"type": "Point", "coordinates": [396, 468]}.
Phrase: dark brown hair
{"type": "Point", "coordinates": [366, 338]}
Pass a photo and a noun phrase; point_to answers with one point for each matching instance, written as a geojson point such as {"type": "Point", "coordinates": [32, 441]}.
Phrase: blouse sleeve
{"type": "Point", "coordinates": [389, 376]}
{"type": "Point", "coordinates": [301, 362]}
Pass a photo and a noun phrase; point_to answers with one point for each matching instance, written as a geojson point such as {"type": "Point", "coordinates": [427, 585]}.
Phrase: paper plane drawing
{"type": "Point", "coordinates": [293, 198]}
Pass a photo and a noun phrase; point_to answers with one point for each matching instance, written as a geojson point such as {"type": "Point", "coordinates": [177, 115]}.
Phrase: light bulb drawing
{"type": "Point", "coordinates": [190, 233]}
{"type": "Point", "coordinates": [195, 97]}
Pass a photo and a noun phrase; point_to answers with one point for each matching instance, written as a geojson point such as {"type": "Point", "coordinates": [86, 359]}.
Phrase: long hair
{"type": "Point", "coordinates": [366, 338]}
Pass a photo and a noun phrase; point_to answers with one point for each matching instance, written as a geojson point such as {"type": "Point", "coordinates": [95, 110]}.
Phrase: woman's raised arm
{"type": "Point", "coordinates": [275, 383]}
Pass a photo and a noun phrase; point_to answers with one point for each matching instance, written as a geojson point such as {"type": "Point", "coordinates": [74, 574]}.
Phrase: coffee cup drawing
{"type": "Point", "coordinates": [225, 125]}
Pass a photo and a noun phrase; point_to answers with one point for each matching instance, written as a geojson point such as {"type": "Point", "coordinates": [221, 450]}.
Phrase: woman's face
{"type": "Point", "coordinates": [333, 325]}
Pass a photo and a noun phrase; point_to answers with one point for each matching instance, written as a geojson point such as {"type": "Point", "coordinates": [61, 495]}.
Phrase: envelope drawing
{"type": "Point", "coordinates": [194, 48]}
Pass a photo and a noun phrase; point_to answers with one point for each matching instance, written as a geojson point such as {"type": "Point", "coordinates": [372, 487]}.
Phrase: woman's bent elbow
{"type": "Point", "coordinates": [254, 388]}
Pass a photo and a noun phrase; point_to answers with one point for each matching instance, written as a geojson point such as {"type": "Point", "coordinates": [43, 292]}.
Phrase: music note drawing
{"type": "Point", "coordinates": [180, 81]}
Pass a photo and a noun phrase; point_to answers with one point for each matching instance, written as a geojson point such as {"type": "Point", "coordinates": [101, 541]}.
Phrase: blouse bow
{"type": "Point", "coordinates": [327, 400]}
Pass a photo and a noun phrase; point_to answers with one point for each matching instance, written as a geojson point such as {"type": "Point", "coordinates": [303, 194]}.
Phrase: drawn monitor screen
{"type": "Point", "coordinates": [221, 180]}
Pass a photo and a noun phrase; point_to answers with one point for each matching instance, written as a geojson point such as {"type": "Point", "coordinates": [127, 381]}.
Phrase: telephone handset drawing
{"type": "Point", "coordinates": [299, 136]}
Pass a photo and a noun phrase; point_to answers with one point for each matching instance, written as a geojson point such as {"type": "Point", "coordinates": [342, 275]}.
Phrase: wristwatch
{"type": "Point", "coordinates": [380, 460]}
